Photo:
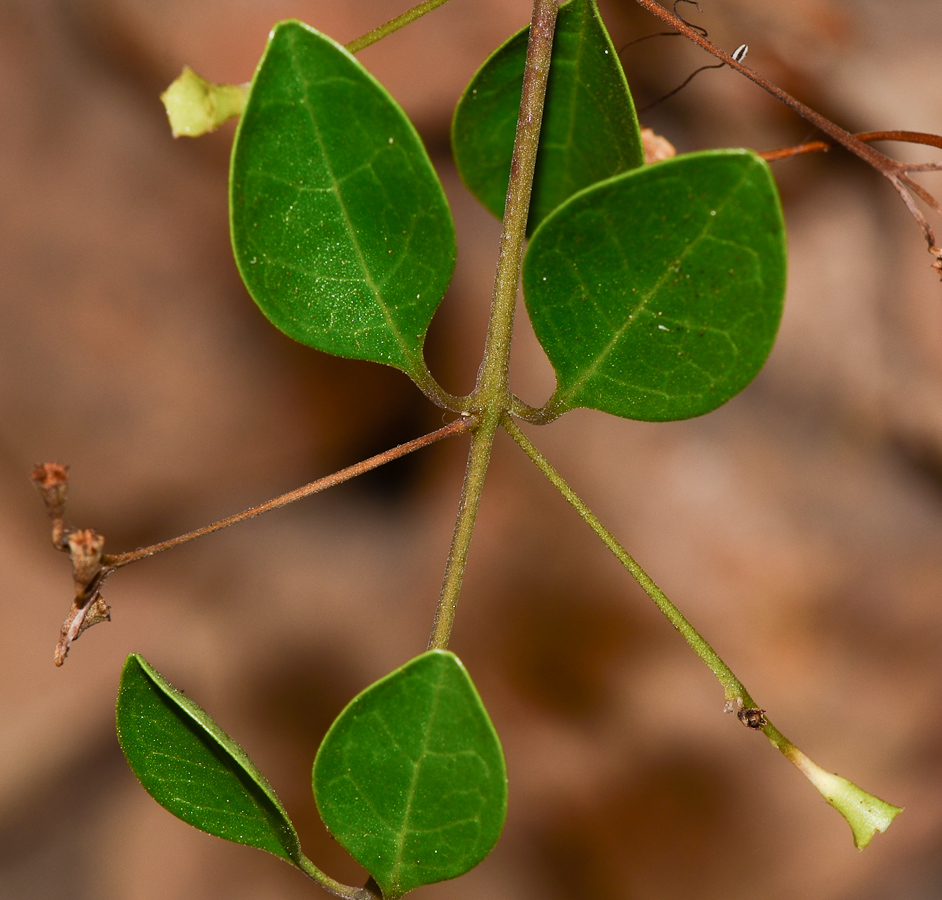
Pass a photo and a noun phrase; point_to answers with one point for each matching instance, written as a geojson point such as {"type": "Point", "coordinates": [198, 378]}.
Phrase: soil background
{"type": "Point", "coordinates": [799, 527]}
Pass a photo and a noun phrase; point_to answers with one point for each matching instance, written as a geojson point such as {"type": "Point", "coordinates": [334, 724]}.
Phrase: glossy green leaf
{"type": "Point", "coordinates": [590, 130]}
{"type": "Point", "coordinates": [411, 778]}
{"type": "Point", "coordinates": [340, 227]}
{"type": "Point", "coordinates": [657, 294]}
{"type": "Point", "coordinates": [195, 770]}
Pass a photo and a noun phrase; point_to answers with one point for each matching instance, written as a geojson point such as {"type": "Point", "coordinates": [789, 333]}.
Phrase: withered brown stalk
{"type": "Point", "coordinates": [896, 172]}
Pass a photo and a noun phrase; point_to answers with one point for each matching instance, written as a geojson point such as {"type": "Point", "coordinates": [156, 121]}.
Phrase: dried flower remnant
{"type": "Point", "coordinates": [85, 552]}
{"type": "Point", "coordinates": [52, 480]}
{"type": "Point", "coordinates": [91, 567]}
{"type": "Point", "coordinates": [656, 147]}
{"type": "Point", "coordinates": [88, 607]}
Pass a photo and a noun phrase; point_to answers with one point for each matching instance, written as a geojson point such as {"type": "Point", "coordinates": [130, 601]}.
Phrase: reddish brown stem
{"type": "Point", "coordinates": [465, 423]}
{"type": "Point", "coordinates": [894, 171]}
{"type": "Point", "coordinates": [908, 137]}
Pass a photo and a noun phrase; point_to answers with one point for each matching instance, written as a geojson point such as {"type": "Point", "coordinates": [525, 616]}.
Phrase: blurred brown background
{"type": "Point", "coordinates": [800, 527]}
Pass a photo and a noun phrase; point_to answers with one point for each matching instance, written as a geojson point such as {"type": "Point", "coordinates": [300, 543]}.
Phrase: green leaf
{"type": "Point", "coordinates": [590, 130]}
{"type": "Point", "coordinates": [340, 227]}
{"type": "Point", "coordinates": [195, 770]}
{"type": "Point", "coordinates": [411, 778]}
{"type": "Point", "coordinates": [657, 294]}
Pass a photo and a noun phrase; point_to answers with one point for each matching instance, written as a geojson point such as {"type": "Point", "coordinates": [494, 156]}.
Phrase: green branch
{"type": "Point", "coordinates": [491, 396]}
{"type": "Point", "coordinates": [865, 813]}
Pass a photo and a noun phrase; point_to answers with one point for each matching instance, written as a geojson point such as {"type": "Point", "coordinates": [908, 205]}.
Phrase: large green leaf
{"type": "Point", "coordinates": [340, 227]}
{"type": "Point", "coordinates": [411, 778]}
{"type": "Point", "coordinates": [195, 770]}
{"type": "Point", "coordinates": [589, 132]}
{"type": "Point", "coordinates": [657, 294]}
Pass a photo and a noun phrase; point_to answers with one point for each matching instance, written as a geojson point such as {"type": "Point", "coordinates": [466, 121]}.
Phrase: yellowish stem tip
{"type": "Point", "coordinates": [865, 813]}
{"type": "Point", "coordinates": [196, 106]}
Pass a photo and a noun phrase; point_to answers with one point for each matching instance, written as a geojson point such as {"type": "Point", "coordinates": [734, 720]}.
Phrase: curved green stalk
{"type": "Point", "coordinates": [865, 813]}
{"type": "Point", "coordinates": [491, 396]}
{"type": "Point", "coordinates": [330, 885]}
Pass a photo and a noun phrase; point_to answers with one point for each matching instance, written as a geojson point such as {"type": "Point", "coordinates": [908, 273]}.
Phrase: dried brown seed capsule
{"type": "Point", "coordinates": [52, 480]}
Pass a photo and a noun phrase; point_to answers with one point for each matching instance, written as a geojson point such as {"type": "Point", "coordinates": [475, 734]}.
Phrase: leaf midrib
{"type": "Point", "coordinates": [352, 232]}
{"type": "Point", "coordinates": [560, 399]}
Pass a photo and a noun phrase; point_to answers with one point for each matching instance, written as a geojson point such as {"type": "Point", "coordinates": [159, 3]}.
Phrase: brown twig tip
{"type": "Point", "coordinates": [88, 608]}
{"type": "Point", "coordinates": [49, 476]}
{"type": "Point", "coordinates": [81, 616]}
{"type": "Point", "coordinates": [85, 549]}
{"type": "Point", "coordinates": [52, 481]}
{"type": "Point", "coordinates": [896, 172]}
{"type": "Point", "coordinates": [937, 265]}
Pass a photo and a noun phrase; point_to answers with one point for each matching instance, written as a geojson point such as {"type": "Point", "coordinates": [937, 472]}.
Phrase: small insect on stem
{"type": "Point", "coordinates": [752, 717]}
{"type": "Point", "coordinates": [739, 54]}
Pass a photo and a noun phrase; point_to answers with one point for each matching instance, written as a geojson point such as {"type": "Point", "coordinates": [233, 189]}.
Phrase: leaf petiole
{"type": "Point", "coordinates": [335, 888]}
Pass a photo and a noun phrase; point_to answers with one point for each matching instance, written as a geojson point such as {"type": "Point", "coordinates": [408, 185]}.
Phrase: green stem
{"type": "Point", "coordinates": [333, 887]}
{"type": "Point", "coordinates": [865, 813]}
{"type": "Point", "coordinates": [492, 377]}
{"type": "Point", "coordinates": [478, 458]}
{"type": "Point", "coordinates": [491, 397]}
{"type": "Point", "coordinates": [371, 37]}
{"type": "Point", "coordinates": [733, 688]}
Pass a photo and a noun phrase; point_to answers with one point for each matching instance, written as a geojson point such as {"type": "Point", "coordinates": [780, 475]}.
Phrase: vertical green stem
{"type": "Point", "coordinates": [492, 377]}
{"type": "Point", "coordinates": [491, 396]}
{"type": "Point", "coordinates": [478, 458]}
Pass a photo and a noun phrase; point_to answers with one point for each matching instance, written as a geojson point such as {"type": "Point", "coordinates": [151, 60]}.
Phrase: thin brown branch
{"type": "Point", "coordinates": [465, 423]}
{"type": "Point", "coordinates": [908, 137]}
{"type": "Point", "coordinates": [894, 171]}
{"type": "Point", "coordinates": [91, 567]}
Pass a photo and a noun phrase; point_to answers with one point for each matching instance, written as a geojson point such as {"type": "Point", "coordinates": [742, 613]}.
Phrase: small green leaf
{"type": "Point", "coordinates": [411, 778]}
{"type": "Point", "coordinates": [340, 227]}
{"type": "Point", "coordinates": [195, 770]}
{"type": "Point", "coordinates": [589, 132]}
{"type": "Point", "coordinates": [657, 294]}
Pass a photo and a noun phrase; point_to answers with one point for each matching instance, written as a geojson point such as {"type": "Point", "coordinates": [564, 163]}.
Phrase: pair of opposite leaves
{"type": "Point", "coordinates": [655, 291]}
{"type": "Point", "coordinates": [410, 778]}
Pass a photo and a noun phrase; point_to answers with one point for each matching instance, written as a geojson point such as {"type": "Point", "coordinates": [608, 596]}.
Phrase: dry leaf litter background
{"type": "Point", "coordinates": [800, 527]}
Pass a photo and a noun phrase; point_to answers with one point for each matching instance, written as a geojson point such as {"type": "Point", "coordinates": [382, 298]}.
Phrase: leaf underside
{"type": "Point", "coordinates": [410, 778]}
{"type": "Point", "coordinates": [590, 129]}
{"type": "Point", "coordinates": [657, 294]}
{"type": "Point", "coordinates": [340, 226]}
{"type": "Point", "coordinates": [194, 769]}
